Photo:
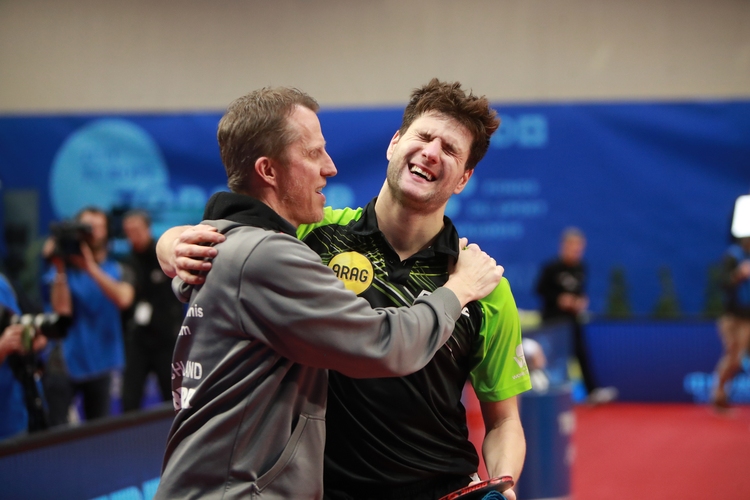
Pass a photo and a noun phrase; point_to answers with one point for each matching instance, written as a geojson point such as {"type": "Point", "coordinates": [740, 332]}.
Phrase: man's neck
{"type": "Point", "coordinates": [407, 231]}
{"type": "Point", "coordinates": [271, 198]}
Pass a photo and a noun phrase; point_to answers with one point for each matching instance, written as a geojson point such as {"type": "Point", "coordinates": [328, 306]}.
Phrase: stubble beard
{"type": "Point", "coordinates": [295, 196]}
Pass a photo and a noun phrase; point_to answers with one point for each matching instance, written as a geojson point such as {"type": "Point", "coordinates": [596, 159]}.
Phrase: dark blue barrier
{"type": "Point", "coordinates": [656, 361]}
{"type": "Point", "coordinates": [113, 458]}
{"type": "Point", "coordinates": [548, 420]}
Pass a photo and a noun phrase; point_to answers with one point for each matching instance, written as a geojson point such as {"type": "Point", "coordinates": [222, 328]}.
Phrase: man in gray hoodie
{"type": "Point", "coordinates": [250, 365]}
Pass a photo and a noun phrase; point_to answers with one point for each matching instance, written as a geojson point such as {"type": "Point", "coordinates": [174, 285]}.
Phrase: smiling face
{"type": "Point", "coordinates": [307, 165]}
{"type": "Point", "coordinates": [427, 163]}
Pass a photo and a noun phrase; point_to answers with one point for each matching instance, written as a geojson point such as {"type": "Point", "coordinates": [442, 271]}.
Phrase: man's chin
{"type": "Point", "coordinates": [417, 197]}
{"type": "Point", "coordinates": [317, 217]}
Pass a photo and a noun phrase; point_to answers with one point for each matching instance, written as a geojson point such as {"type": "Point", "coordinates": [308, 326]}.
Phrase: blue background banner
{"type": "Point", "coordinates": [651, 184]}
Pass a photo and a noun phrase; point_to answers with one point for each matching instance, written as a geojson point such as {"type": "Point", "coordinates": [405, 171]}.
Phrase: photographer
{"type": "Point", "coordinates": [14, 415]}
{"type": "Point", "coordinates": [85, 283]}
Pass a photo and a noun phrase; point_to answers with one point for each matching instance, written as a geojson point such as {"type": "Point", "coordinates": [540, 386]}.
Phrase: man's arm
{"type": "Point", "coordinates": [499, 376]}
{"type": "Point", "coordinates": [180, 251]}
{"type": "Point", "coordinates": [285, 297]}
{"type": "Point", "coordinates": [183, 250]}
{"type": "Point", "coordinates": [186, 251]}
{"type": "Point", "coordinates": [119, 292]}
{"type": "Point", "coordinates": [60, 297]}
{"type": "Point", "coordinates": [504, 445]}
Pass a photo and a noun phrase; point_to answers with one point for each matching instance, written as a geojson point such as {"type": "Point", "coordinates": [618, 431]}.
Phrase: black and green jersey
{"type": "Point", "coordinates": [394, 431]}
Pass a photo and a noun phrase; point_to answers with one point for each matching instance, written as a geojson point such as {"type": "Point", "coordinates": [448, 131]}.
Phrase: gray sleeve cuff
{"type": "Point", "coordinates": [447, 299]}
{"type": "Point", "coordinates": [181, 289]}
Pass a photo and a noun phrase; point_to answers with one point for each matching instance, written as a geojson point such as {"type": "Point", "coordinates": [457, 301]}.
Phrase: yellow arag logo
{"type": "Point", "coordinates": [354, 269]}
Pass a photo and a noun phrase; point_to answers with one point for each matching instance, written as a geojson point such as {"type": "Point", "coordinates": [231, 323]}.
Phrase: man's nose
{"type": "Point", "coordinates": [431, 150]}
{"type": "Point", "coordinates": [329, 169]}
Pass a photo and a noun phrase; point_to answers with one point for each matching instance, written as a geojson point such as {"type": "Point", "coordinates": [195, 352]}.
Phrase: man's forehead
{"type": "Point", "coordinates": [306, 125]}
{"type": "Point", "coordinates": [434, 121]}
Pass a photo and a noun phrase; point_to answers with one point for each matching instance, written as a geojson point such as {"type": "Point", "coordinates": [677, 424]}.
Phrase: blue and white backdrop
{"type": "Point", "coordinates": [651, 184]}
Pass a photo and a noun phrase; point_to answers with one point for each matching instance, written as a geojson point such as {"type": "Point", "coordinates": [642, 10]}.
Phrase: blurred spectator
{"type": "Point", "coordinates": [154, 321]}
{"type": "Point", "coordinates": [734, 323]}
{"type": "Point", "coordinates": [85, 283]}
{"type": "Point", "coordinates": [561, 286]}
{"type": "Point", "coordinates": [536, 360]}
{"type": "Point", "coordinates": [14, 415]}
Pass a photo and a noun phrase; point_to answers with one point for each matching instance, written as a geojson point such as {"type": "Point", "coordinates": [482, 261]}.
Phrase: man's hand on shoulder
{"type": "Point", "coordinates": [476, 274]}
{"type": "Point", "coordinates": [186, 251]}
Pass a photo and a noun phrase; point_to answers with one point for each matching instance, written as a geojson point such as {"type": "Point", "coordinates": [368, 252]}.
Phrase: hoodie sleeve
{"type": "Point", "coordinates": [294, 303]}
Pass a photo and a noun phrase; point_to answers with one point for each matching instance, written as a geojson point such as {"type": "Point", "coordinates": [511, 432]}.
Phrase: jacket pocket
{"type": "Point", "coordinates": [298, 473]}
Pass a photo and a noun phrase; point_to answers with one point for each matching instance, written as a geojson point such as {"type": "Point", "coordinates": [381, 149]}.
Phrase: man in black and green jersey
{"type": "Point", "coordinates": [395, 437]}
{"type": "Point", "coordinates": [407, 437]}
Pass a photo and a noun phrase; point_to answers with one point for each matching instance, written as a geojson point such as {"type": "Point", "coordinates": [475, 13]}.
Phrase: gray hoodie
{"type": "Point", "coordinates": [249, 373]}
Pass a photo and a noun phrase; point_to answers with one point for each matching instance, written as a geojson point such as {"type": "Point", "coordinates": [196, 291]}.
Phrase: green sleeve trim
{"type": "Point", "coordinates": [499, 368]}
{"type": "Point", "coordinates": [340, 216]}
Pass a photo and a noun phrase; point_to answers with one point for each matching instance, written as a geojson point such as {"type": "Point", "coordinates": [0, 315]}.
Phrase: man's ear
{"type": "Point", "coordinates": [265, 169]}
{"type": "Point", "coordinates": [392, 145]}
{"type": "Point", "coordinates": [464, 180]}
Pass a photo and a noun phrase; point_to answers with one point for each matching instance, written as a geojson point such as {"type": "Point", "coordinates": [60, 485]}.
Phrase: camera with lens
{"type": "Point", "coordinates": [68, 235]}
{"type": "Point", "coordinates": [51, 325]}
{"type": "Point", "coordinates": [25, 365]}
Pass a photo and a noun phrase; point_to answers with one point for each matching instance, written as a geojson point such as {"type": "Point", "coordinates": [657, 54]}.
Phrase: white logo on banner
{"type": "Point", "coordinates": [105, 163]}
{"type": "Point", "coordinates": [111, 163]}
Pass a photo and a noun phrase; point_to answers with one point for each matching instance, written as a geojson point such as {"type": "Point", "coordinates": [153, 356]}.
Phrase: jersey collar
{"type": "Point", "coordinates": [446, 241]}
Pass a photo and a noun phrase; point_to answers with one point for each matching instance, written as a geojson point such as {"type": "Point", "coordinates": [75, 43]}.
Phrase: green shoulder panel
{"type": "Point", "coordinates": [340, 216]}
{"type": "Point", "coordinates": [499, 368]}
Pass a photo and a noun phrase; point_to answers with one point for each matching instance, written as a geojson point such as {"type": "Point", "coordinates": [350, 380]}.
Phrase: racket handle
{"type": "Point", "coordinates": [494, 495]}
